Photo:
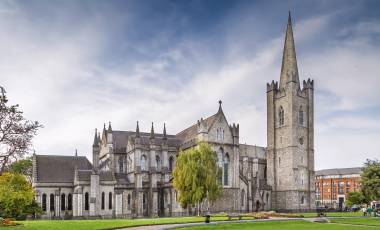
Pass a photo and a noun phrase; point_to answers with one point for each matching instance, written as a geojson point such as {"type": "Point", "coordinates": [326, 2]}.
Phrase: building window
{"type": "Point", "coordinates": [86, 201]}
{"type": "Point", "coordinates": [144, 202]}
{"type": "Point", "coordinates": [44, 202]}
{"type": "Point", "coordinates": [279, 161]}
{"type": "Point", "coordinates": [103, 200]}
{"type": "Point", "coordinates": [158, 162]}
{"type": "Point", "coordinates": [171, 162]}
{"type": "Point", "coordinates": [226, 168]}
{"type": "Point", "coordinates": [300, 116]}
{"type": "Point", "coordinates": [302, 200]}
{"type": "Point", "coordinates": [220, 163]}
{"type": "Point", "coordinates": [51, 202]}
{"type": "Point", "coordinates": [267, 198]}
{"type": "Point", "coordinates": [63, 202]}
{"type": "Point", "coordinates": [69, 202]}
{"type": "Point", "coordinates": [143, 163]}
{"type": "Point", "coordinates": [265, 172]}
{"type": "Point", "coordinates": [121, 165]}
{"type": "Point", "coordinates": [281, 116]}
{"type": "Point", "coordinates": [242, 197]}
{"type": "Point", "coordinates": [110, 200]}
{"type": "Point", "coordinates": [129, 201]}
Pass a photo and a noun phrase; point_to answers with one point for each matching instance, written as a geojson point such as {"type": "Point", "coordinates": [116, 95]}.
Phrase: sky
{"type": "Point", "coordinates": [74, 65]}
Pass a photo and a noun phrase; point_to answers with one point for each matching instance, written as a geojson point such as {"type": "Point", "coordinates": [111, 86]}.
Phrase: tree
{"type": "Point", "coordinates": [370, 180]}
{"type": "Point", "coordinates": [16, 133]}
{"type": "Point", "coordinates": [355, 198]}
{"type": "Point", "coordinates": [195, 176]}
{"type": "Point", "coordinates": [24, 167]}
{"type": "Point", "coordinates": [16, 196]}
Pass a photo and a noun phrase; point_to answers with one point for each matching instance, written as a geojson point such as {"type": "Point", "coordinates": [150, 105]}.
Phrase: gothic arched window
{"type": "Point", "coordinates": [110, 200]}
{"type": "Point", "coordinates": [63, 202]}
{"type": "Point", "coordinates": [51, 202]}
{"type": "Point", "coordinates": [171, 162]}
{"type": "Point", "coordinates": [103, 200]}
{"type": "Point", "coordinates": [220, 163]}
{"type": "Point", "coordinates": [226, 168]}
{"type": "Point", "coordinates": [86, 201]}
{"type": "Point", "coordinates": [265, 172]}
{"type": "Point", "coordinates": [281, 115]}
{"type": "Point", "coordinates": [121, 165]}
{"type": "Point", "coordinates": [44, 202]}
{"type": "Point", "coordinates": [302, 200]}
{"type": "Point", "coordinates": [242, 198]}
{"type": "Point", "coordinates": [143, 163]}
{"type": "Point", "coordinates": [158, 162]}
{"type": "Point", "coordinates": [300, 116]}
{"type": "Point", "coordinates": [129, 201]}
{"type": "Point", "coordinates": [69, 202]}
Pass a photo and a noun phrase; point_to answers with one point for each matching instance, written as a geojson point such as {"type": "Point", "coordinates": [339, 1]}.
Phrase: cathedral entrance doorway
{"type": "Point", "coordinates": [258, 205]}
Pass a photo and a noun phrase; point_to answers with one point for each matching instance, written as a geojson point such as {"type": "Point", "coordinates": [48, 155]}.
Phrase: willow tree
{"type": "Point", "coordinates": [195, 176]}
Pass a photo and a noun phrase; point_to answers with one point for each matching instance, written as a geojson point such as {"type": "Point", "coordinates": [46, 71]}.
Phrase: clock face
{"type": "Point", "coordinates": [301, 140]}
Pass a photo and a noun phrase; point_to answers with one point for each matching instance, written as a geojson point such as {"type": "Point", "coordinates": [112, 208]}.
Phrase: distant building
{"type": "Point", "coordinates": [333, 185]}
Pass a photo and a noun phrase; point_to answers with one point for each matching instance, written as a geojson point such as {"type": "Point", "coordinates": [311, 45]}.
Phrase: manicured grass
{"type": "Point", "coordinates": [333, 214]}
{"type": "Point", "coordinates": [283, 225]}
{"type": "Point", "coordinates": [104, 224]}
{"type": "Point", "coordinates": [372, 221]}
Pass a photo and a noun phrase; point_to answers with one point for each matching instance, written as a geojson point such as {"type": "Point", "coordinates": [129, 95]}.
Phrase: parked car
{"type": "Point", "coordinates": [355, 208]}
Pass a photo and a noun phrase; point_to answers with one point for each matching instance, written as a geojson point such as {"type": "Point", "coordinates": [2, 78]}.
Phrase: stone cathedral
{"type": "Point", "coordinates": [131, 172]}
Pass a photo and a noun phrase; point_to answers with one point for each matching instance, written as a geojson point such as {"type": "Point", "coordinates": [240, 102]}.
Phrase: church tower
{"type": "Point", "coordinates": [290, 135]}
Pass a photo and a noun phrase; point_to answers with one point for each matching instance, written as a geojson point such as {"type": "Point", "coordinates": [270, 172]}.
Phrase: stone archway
{"type": "Point", "coordinates": [258, 205]}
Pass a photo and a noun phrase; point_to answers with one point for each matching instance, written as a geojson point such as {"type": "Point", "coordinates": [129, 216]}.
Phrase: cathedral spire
{"type": "Point", "coordinates": [152, 132]}
{"type": "Point", "coordinates": [137, 129]}
{"type": "Point", "coordinates": [289, 69]}
{"type": "Point", "coordinates": [165, 137]}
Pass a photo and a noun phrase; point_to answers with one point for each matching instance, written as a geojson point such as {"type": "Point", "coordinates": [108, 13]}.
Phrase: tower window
{"type": "Point", "coordinates": [281, 118]}
{"type": "Point", "coordinates": [171, 162]}
{"type": "Point", "coordinates": [158, 162]}
{"type": "Point", "coordinates": [300, 116]}
{"type": "Point", "coordinates": [121, 165]}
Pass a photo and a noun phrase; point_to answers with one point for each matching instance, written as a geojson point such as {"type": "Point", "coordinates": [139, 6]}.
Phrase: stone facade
{"type": "Point", "coordinates": [131, 172]}
{"type": "Point", "coordinates": [290, 135]}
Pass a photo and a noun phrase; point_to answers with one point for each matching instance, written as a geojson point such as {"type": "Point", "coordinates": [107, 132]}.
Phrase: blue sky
{"type": "Point", "coordinates": [74, 65]}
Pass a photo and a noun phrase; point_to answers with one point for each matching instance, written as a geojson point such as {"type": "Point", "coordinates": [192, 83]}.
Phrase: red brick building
{"type": "Point", "coordinates": [333, 185]}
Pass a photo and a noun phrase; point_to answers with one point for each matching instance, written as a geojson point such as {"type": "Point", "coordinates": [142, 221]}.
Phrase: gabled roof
{"type": "Point", "coordinates": [192, 131]}
{"type": "Point", "coordinates": [339, 171]}
{"type": "Point", "coordinates": [59, 169]}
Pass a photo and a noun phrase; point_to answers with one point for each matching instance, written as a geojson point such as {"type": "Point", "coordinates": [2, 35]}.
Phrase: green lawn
{"type": "Point", "coordinates": [360, 221]}
{"type": "Point", "coordinates": [334, 214]}
{"type": "Point", "coordinates": [283, 225]}
{"type": "Point", "coordinates": [103, 224]}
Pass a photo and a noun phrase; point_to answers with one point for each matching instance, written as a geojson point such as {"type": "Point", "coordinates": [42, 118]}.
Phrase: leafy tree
{"type": "Point", "coordinates": [195, 176]}
{"type": "Point", "coordinates": [16, 133]}
{"type": "Point", "coordinates": [355, 198]}
{"type": "Point", "coordinates": [370, 179]}
{"type": "Point", "coordinates": [16, 196]}
{"type": "Point", "coordinates": [24, 167]}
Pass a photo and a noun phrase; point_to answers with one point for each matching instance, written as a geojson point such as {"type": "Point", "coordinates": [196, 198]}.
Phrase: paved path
{"type": "Point", "coordinates": [171, 226]}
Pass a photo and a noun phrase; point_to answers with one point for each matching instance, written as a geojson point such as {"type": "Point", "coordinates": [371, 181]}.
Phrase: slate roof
{"type": "Point", "coordinates": [59, 169]}
{"type": "Point", "coordinates": [85, 175]}
{"type": "Point", "coordinates": [339, 171]}
{"type": "Point", "coordinates": [120, 139]}
{"type": "Point", "coordinates": [192, 131]}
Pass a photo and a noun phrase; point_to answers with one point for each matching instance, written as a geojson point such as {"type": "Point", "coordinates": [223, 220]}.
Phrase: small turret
{"type": "Point", "coordinates": [137, 130]}
{"type": "Point", "coordinates": [109, 134]}
{"type": "Point", "coordinates": [164, 132]}
{"type": "Point", "coordinates": [96, 140]}
{"type": "Point", "coordinates": [152, 132]}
